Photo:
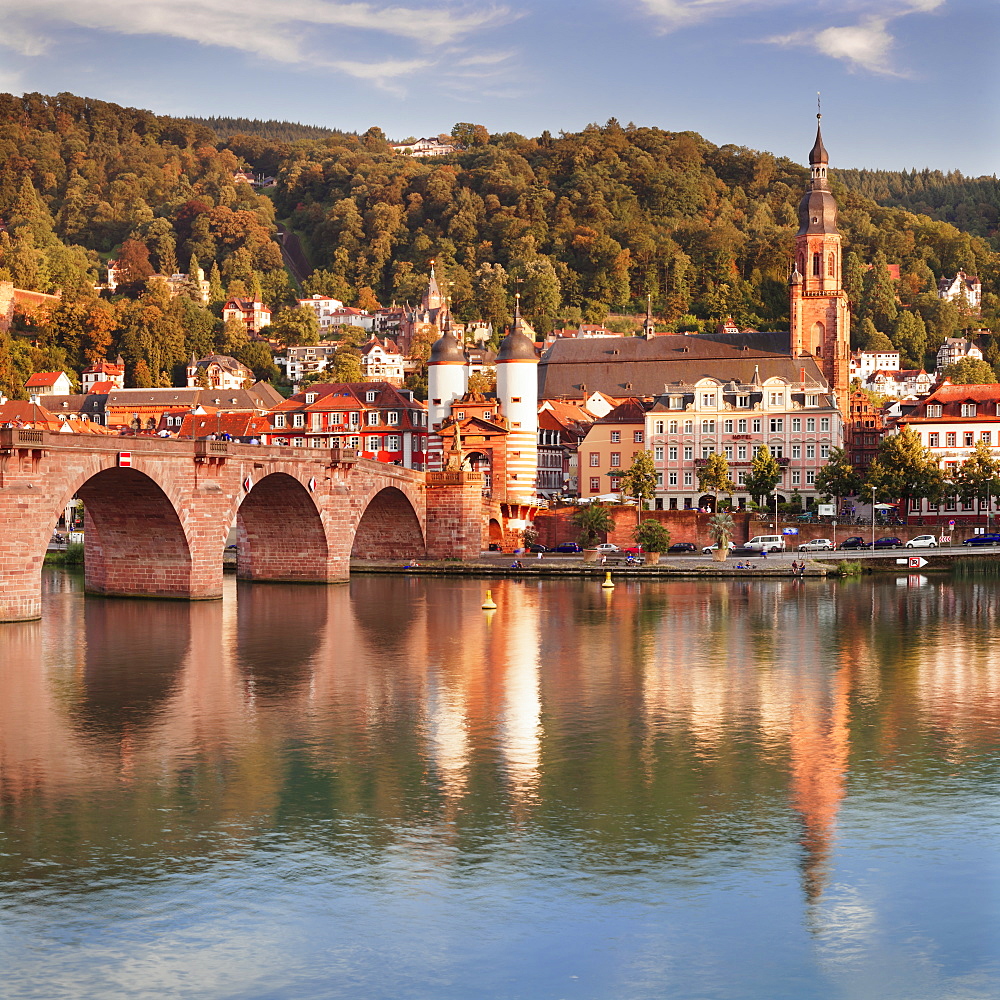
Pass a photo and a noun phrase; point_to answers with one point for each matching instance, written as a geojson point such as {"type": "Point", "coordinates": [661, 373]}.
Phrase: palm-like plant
{"type": "Point", "coordinates": [721, 527]}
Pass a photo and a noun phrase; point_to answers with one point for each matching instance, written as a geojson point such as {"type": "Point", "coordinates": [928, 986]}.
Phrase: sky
{"type": "Point", "coordinates": [904, 83]}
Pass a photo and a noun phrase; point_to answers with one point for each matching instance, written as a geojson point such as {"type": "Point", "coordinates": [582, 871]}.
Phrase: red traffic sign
{"type": "Point", "coordinates": [124, 460]}
{"type": "Point", "coordinates": [917, 562]}
{"type": "Point", "coordinates": [951, 524]}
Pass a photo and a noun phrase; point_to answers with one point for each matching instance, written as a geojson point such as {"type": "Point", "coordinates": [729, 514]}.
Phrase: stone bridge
{"type": "Point", "coordinates": [158, 513]}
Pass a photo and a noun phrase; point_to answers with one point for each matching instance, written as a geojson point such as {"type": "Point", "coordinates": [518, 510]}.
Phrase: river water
{"type": "Point", "coordinates": [719, 789]}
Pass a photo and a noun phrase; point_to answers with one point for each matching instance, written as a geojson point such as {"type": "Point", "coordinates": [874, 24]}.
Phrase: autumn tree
{"type": "Point", "coordinates": [295, 325]}
{"type": "Point", "coordinates": [639, 479]}
{"type": "Point", "coordinates": [969, 371]}
{"type": "Point", "coordinates": [904, 470]}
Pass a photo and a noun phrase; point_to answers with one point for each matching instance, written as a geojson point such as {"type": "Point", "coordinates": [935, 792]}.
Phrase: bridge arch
{"type": "Point", "coordinates": [280, 533]}
{"type": "Point", "coordinates": [389, 527]}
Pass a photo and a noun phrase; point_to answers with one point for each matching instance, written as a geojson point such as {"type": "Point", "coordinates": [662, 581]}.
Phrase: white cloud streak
{"type": "Point", "coordinates": [298, 32]}
{"type": "Point", "coordinates": [865, 45]}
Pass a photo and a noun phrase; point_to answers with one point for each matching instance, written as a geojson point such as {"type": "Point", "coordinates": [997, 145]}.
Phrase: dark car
{"type": "Point", "coordinates": [854, 542]}
{"type": "Point", "coordinates": [888, 542]}
{"type": "Point", "coordinates": [683, 547]}
{"type": "Point", "coordinates": [537, 547]}
{"type": "Point", "coordinates": [567, 547]}
{"type": "Point", "coordinates": [993, 539]}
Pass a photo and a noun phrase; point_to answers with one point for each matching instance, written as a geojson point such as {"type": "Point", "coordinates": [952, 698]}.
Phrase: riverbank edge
{"type": "Point", "coordinates": [593, 570]}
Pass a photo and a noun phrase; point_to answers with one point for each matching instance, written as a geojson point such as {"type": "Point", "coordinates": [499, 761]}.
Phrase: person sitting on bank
{"type": "Point", "coordinates": [412, 564]}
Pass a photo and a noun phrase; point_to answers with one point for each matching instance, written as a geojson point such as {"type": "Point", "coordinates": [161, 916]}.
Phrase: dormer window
{"type": "Point", "coordinates": [370, 397]}
{"type": "Point", "coordinates": [933, 410]}
{"type": "Point", "coordinates": [311, 397]}
{"type": "Point", "coordinates": [968, 409]}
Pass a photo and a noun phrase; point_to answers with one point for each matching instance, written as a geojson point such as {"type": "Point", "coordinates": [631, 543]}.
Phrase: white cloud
{"type": "Point", "coordinates": [865, 45]}
{"type": "Point", "coordinates": [290, 31]}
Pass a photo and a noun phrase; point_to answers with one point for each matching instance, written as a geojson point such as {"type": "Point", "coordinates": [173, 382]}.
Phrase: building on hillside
{"type": "Point", "coordinates": [956, 349]}
{"type": "Point", "coordinates": [428, 320]}
{"type": "Point", "coordinates": [350, 316]}
{"type": "Point", "coordinates": [950, 422]}
{"type": "Point", "coordinates": [255, 315]}
{"type": "Point", "coordinates": [48, 384]}
{"type": "Point", "coordinates": [798, 421]}
{"type": "Point", "coordinates": [247, 428]}
{"type": "Point", "coordinates": [21, 300]}
{"type": "Point", "coordinates": [307, 359]}
{"type": "Point", "coordinates": [433, 146]}
{"type": "Point", "coordinates": [31, 415]}
{"type": "Point", "coordinates": [382, 361]}
{"type": "Point", "coordinates": [863, 430]}
{"type": "Point", "coordinates": [86, 407]}
{"type": "Point", "coordinates": [496, 435]}
{"type": "Point", "coordinates": [609, 447]}
{"type": "Point", "coordinates": [218, 371]}
{"type": "Point", "coordinates": [324, 308]}
{"type": "Point", "coordinates": [103, 373]}
{"type": "Point", "coordinates": [562, 425]}
{"type": "Point", "coordinates": [900, 384]}
{"type": "Point", "coordinates": [964, 287]}
{"type": "Point", "coordinates": [195, 285]}
{"type": "Point", "coordinates": [866, 363]}
{"type": "Point", "coordinates": [380, 421]}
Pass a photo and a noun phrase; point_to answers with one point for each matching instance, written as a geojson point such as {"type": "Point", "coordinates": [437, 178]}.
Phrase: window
{"type": "Point", "coordinates": [810, 451]}
{"type": "Point", "coordinates": [595, 459]}
{"type": "Point", "coordinates": [372, 443]}
{"type": "Point", "coordinates": [392, 417]}
{"type": "Point", "coordinates": [986, 437]}
{"type": "Point", "coordinates": [676, 402]}
{"type": "Point", "coordinates": [796, 424]}
{"type": "Point", "coordinates": [688, 452]}
{"type": "Point", "coordinates": [728, 452]}
{"type": "Point", "coordinates": [796, 477]}
{"type": "Point", "coordinates": [741, 452]}
{"type": "Point", "coordinates": [706, 450]}
{"type": "Point", "coordinates": [933, 439]}
{"type": "Point", "coordinates": [950, 439]}
{"type": "Point", "coordinates": [515, 399]}
{"type": "Point", "coordinates": [659, 481]}
{"type": "Point", "coordinates": [817, 262]}
{"type": "Point", "coordinates": [777, 425]}
{"type": "Point", "coordinates": [392, 442]}
{"type": "Point", "coordinates": [810, 425]}
{"type": "Point", "coordinates": [689, 479]}
{"type": "Point", "coordinates": [970, 438]}
{"type": "Point", "coordinates": [672, 453]}
{"type": "Point", "coordinates": [673, 427]}
{"type": "Point", "coordinates": [727, 427]}
{"type": "Point", "coordinates": [317, 421]}
{"type": "Point", "coordinates": [298, 420]}
{"type": "Point", "coordinates": [777, 451]}
{"type": "Point", "coordinates": [708, 427]}
{"type": "Point", "coordinates": [810, 477]}
{"type": "Point", "coordinates": [310, 397]}
{"type": "Point", "coordinates": [743, 402]}
{"type": "Point", "coordinates": [637, 437]}
{"type": "Point", "coordinates": [756, 425]}
{"type": "Point", "coordinates": [824, 451]}
{"type": "Point", "coordinates": [812, 400]}
{"type": "Point", "coordinates": [355, 418]}
{"type": "Point", "coordinates": [616, 459]}
{"type": "Point", "coordinates": [279, 420]}
{"type": "Point", "coordinates": [370, 396]}
{"type": "Point", "coordinates": [373, 418]}
{"type": "Point", "coordinates": [796, 451]}
{"type": "Point", "coordinates": [671, 478]}
{"type": "Point", "coordinates": [595, 484]}
{"type": "Point", "coordinates": [616, 436]}
{"type": "Point", "coordinates": [968, 409]}
{"type": "Point", "coordinates": [934, 410]}
{"type": "Point", "coordinates": [741, 426]}
{"type": "Point", "coordinates": [658, 427]}
{"type": "Point", "coordinates": [689, 427]}
{"type": "Point", "coordinates": [830, 265]}
{"type": "Point", "coordinates": [777, 398]}
{"type": "Point", "coordinates": [824, 423]}
{"type": "Point", "coordinates": [708, 399]}
{"type": "Point", "coordinates": [741, 478]}
{"type": "Point", "coordinates": [658, 453]}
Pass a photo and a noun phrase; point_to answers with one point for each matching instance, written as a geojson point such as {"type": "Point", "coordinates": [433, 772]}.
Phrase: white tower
{"type": "Point", "coordinates": [517, 392]}
{"type": "Point", "coordinates": [447, 380]}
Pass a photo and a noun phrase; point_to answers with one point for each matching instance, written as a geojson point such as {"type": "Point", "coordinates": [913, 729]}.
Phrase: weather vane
{"type": "Point", "coordinates": [819, 106]}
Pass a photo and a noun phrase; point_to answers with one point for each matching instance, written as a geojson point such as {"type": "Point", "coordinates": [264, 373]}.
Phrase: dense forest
{"type": "Point", "coordinates": [581, 224]}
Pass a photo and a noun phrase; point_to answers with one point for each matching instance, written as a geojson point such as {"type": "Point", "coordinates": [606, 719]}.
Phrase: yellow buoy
{"type": "Point", "coordinates": [489, 604]}
{"type": "Point", "coordinates": [608, 583]}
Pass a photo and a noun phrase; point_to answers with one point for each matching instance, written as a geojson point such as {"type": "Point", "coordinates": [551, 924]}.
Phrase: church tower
{"type": "Point", "coordinates": [819, 311]}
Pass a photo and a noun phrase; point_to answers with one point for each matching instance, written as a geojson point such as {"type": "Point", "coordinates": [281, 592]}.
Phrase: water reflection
{"type": "Point", "coordinates": [667, 733]}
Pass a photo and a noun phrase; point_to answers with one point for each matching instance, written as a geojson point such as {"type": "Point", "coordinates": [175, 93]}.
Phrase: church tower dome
{"type": "Point", "coordinates": [447, 380]}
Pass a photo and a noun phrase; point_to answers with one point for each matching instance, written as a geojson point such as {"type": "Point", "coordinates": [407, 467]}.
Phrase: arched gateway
{"type": "Point", "coordinates": [158, 514]}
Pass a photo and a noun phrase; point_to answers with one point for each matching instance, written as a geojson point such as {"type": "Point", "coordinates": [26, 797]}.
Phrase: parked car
{"type": "Point", "coordinates": [991, 539]}
{"type": "Point", "coordinates": [817, 545]}
{"type": "Point", "coordinates": [633, 550]}
{"type": "Point", "coordinates": [888, 542]}
{"type": "Point", "coordinates": [854, 542]}
{"type": "Point", "coordinates": [683, 547]}
{"type": "Point", "coordinates": [766, 543]}
{"type": "Point", "coordinates": [537, 547]}
{"type": "Point", "coordinates": [607, 548]}
{"type": "Point", "coordinates": [565, 547]}
{"type": "Point", "coordinates": [922, 542]}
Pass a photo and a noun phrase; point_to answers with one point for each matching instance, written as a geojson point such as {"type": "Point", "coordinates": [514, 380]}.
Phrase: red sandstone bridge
{"type": "Point", "coordinates": [158, 513]}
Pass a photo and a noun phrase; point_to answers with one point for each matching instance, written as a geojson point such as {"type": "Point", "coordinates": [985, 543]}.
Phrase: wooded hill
{"type": "Point", "coordinates": [581, 223]}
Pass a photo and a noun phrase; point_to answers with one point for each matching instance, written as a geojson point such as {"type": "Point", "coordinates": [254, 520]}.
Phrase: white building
{"type": "Point", "coordinates": [424, 147]}
{"type": "Point", "coordinates": [324, 309]}
{"type": "Point", "coordinates": [900, 384]}
{"type": "Point", "coordinates": [382, 361]}
{"type": "Point", "coordinates": [218, 371]}
{"type": "Point", "coordinates": [308, 360]}
{"type": "Point", "coordinates": [954, 349]}
{"type": "Point", "coordinates": [963, 286]}
{"type": "Point", "coordinates": [866, 363]}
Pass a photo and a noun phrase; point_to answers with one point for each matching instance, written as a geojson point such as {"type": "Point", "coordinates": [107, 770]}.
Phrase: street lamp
{"type": "Point", "coordinates": [873, 518]}
{"type": "Point", "coordinates": [775, 511]}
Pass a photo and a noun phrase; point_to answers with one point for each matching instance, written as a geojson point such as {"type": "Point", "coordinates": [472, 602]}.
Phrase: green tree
{"type": "Point", "coordinates": [854, 283]}
{"type": "Point", "coordinates": [468, 135]}
{"type": "Point", "coordinates": [295, 325]}
{"type": "Point", "coordinates": [714, 477]}
{"type": "Point", "coordinates": [593, 520]}
{"type": "Point", "coordinates": [969, 371]}
{"type": "Point", "coordinates": [909, 335]}
{"type": "Point", "coordinates": [639, 480]}
{"type": "Point", "coordinates": [652, 535]}
{"type": "Point", "coordinates": [838, 478]}
{"type": "Point", "coordinates": [765, 473]}
{"type": "Point", "coordinates": [976, 478]}
{"type": "Point", "coordinates": [721, 527]}
{"type": "Point", "coordinates": [216, 293]}
{"type": "Point", "coordinates": [490, 297]}
{"type": "Point", "coordinates": [879, 294]}
{"type": "Point", "coordinates": [904, 470]}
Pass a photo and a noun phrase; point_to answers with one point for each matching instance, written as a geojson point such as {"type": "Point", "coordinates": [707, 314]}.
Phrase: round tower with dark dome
{"type": "Point", "coordinates": [517, 393]}
{"type": "Point", "coordinates": [447, 380]}
{"type": "Point", "coordinates": [820, 318]}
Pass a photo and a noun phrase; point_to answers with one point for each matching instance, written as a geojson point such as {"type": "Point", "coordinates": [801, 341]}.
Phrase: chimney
{"type": "Point", "coordinates": [802, 376]}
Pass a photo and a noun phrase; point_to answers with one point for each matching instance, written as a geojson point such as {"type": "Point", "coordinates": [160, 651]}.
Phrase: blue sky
{"type": "Point", "coordinates": [905, 82]}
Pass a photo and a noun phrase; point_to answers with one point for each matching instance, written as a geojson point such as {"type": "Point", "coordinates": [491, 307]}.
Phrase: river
{"type": "Point", "coordinates": [693, 789]}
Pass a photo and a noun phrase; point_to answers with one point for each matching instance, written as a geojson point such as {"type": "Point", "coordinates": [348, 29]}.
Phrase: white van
{"type": "Point", "coordinates": [766, 543]}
